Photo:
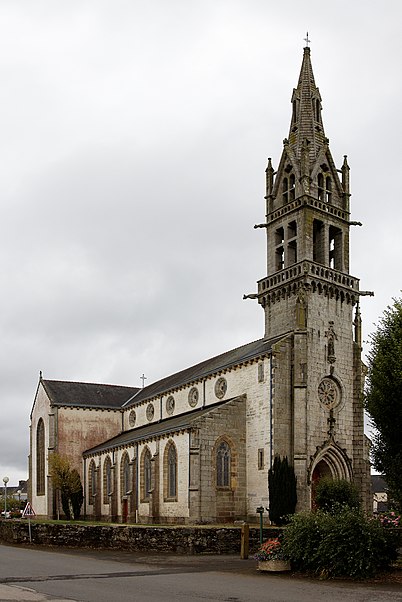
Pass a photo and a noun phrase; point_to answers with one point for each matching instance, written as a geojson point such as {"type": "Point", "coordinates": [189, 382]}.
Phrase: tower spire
{"type": "Point", "coordinates": [306, 122]}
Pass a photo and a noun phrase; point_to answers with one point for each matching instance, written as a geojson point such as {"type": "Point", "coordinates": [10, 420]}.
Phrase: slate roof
{"type": "Point", "coordinates": [224, 360]}
{"type": "Point", "coordinates": [92, 395]}
{"type": "Point", "coordinates": [164, 427]}
{"type": "Point", "coordinates": [378, 484]}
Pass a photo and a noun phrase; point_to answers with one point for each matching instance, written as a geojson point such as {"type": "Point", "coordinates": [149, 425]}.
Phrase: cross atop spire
{"type": "Point", "coordinates": [307, 40]}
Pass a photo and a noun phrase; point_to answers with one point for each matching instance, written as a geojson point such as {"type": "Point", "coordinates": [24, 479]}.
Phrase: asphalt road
{"type": "Point", "coordinates": [36, 575]}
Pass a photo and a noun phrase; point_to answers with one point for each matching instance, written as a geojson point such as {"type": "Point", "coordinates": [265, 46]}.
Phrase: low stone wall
{"type": "Point", "coordinates": [134, 538]}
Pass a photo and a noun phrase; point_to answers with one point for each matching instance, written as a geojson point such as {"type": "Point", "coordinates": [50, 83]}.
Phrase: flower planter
{"type": "Point", "coordinates": [274, 566]}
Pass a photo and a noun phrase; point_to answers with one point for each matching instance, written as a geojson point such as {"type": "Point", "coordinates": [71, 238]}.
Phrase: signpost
{"type": "Point", "coordinates": [28, 512]}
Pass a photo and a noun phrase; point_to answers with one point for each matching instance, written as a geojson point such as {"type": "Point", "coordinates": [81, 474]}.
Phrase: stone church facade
{"type": "Point", "coordinates": [196, 446]}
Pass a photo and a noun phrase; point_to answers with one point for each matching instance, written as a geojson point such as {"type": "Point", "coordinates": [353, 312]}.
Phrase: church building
{"type": "Point", "coordinates": [196, 446]}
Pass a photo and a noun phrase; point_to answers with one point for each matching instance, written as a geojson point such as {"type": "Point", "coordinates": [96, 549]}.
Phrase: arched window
{"type": "Point", "coordinates": [146, 480]}
{"type": "Point", "coordinates": [328, 189]}
{"type": "Point", "coordinates": [292, 187]}
{"type": "Point", "coordinates": [285, 189]}
{"type": "Point", "coordinates": [295, 110]}
{"type": "Point", "coordinates": [320, 182]}
{"type": "Point", "coordinates": [172, 471]}
{"type": "Point", "coordinates": [317, 107]}
{"type": "Point", "coordinates": [223, 465]}
{"type": "Point", "coordinates": [40, 458]}
{"type": "Point", "coordinates": [91, 482]}
{"type": "Point", "coordinates": [107, 480]}
{"type": "Point", "coordinates": [125, 476]}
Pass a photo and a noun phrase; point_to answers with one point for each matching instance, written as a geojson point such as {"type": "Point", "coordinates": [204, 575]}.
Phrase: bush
{"type": "Point", "coordinates": [346, 544]}
{"type": "Point", "coordinates": [390, 519]}
{"type": "Point", "coordinates": [333, 494]}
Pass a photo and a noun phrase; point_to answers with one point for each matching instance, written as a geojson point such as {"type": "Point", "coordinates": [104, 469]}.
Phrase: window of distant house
{"type": "Point", "coordinates": [40, 458]}
{"type": "Point", "coordinates": [223, 465]}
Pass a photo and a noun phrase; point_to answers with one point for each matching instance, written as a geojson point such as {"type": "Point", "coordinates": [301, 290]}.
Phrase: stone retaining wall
{"type": "Point", "coordinates": [134, 538]}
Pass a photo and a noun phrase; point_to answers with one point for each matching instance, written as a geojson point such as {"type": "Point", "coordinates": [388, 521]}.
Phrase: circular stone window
{"type": "Point", "coordinates": [193, 397]}
{"type": "Point", "coordinates": [150, 411]}
{"type": "Point", "coordinates": [170, 405]}
{"type": "Point", "coordinates": [221, 387]}
{"type": "Point", "coordinates": [132, 418]}
{"type": "Point", "coordinates": [328, 393]}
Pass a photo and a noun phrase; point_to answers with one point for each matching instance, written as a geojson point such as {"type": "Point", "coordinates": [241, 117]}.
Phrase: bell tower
{"type": "Point", "coordinates": [308, 297]}
{"type": "Point", "coordinates": [307, 218]}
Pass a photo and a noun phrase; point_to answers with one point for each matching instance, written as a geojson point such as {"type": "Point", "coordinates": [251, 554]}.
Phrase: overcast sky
{"type": "Point", "coordinates": [134, 137]}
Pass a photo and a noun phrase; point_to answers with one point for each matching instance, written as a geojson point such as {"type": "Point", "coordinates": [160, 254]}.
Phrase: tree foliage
{"type": "Point", "coordinates": [68, 482]}
{"type": "Point", "coordinates": [383, 397]}
{"type": "Point", "coordinates": [77, 495]}
{"type": "Point", "coordinates": [282, 490]}
{"type": "Point", "coordinates": [333, 494]}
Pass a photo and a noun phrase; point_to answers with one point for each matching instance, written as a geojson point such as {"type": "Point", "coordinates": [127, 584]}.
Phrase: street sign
{"type": "Point", "coordinates": [28, 510]}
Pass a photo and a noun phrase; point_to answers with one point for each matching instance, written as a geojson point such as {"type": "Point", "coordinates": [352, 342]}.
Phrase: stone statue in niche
{"type": "Point", "coordinates": [301, 308]}
{"type": "Point", "coordinates": [331, 336]}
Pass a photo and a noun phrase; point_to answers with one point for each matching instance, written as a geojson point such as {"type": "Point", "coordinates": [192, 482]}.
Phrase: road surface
{"type": "Point", "coordinates": [38, 575]}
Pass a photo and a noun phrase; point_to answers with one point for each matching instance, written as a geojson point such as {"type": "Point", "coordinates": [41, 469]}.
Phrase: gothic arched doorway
{"type": "Point", "coordinates": [321, 470]}
{"type": "Point", "coordinates": [330, 462]}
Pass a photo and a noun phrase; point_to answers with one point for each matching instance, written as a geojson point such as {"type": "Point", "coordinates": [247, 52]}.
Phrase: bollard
{"type": "Point", "coordinates": [245, 539]}
{"type": "Point", "coordinates": [260, 511]}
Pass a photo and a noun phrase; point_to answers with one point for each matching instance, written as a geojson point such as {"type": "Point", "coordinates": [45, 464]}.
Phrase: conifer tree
{"type": "Point", "coordinates": [282, 490]}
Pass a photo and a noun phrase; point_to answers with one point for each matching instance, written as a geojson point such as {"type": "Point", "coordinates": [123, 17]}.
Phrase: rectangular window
{"type": "Point", "coordinates": [280, 258]}
{"type": "Point", "coordinates": [260, 459]}
{"type": "Point", "coordinates": [335, 248]}
{"type": "Point", "coordinates": [292, 252]}
{"type": "Point", "coordinates": [292, 229]}
{"type": "Point", "coordinates": [318, 242]}
{"type": "Point", "coordinates": [279, 236]}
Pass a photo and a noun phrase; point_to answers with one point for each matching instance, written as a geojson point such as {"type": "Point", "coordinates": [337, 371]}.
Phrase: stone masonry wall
{"type": "Point", "coordinates": [177, 540]}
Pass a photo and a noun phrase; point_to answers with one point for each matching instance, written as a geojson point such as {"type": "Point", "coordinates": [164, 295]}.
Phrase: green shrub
{"type": "Point", "coordinates": [334, 494]}
{"type": "Point", "coordinates": [346, 544]}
